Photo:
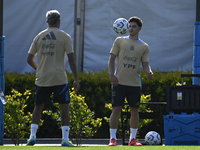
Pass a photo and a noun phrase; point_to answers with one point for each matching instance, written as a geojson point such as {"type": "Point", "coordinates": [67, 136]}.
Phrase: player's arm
{"type": "Point", "coordinates": [31, 62]}
{"type": "Point", "coordinates": [72, 64]}
{"type": "Point", "coordinates": [147, 69]}
{"type": "Point", "coordinates": [111, 65]}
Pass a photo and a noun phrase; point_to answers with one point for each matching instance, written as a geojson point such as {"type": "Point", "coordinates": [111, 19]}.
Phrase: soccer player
{"type": "Point", "coordinates": [130, 52]}
{"type": "Point", "coordinates": [51, 47]}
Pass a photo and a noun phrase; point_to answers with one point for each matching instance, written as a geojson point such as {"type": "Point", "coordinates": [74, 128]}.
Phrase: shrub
{"type": "Point", "coordinates": [82, 122]}
{"type": "Point", "coordinates": [16, 121]}
{"type": "Point", "coordinates": [96, 88]}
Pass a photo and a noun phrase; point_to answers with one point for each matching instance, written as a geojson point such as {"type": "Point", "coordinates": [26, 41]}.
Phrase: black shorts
{"type": "Point", "coordinates": [60, 94]}
{"type": "Point", "coordinates": [131, 93]}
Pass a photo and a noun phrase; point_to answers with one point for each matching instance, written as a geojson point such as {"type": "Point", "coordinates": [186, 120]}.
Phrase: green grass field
{"type": "Point", "coordinates": [100, 148]}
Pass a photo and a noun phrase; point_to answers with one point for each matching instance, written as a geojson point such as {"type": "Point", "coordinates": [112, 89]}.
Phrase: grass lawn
{"type": "Point", "coordinates": [100, 148]}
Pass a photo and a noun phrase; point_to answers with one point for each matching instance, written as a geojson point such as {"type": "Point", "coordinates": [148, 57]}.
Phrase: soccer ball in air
{"type": "Point", "coordinates": [152, 138]}
{"type": "Point", "coordinates": [121, 26]}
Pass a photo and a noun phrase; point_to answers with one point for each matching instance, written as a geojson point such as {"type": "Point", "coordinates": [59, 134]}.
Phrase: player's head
{"type": "Point", "coordinates": [52, 17]}
{"type": "Point", "coordinates": [137, 20]}
{"type": "Point", "coordinates": [135, 25]}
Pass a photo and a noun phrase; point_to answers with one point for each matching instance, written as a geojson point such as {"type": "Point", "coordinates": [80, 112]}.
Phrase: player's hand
{"type": "Point", "coordinates": [76, 86]}
{"type": "Point", "coordinates": [150, 75]}
{"type": "Point", "coordinates": [113, 80]}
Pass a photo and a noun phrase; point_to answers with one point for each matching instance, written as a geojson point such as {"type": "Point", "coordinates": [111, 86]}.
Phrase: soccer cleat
{"type": "Point", "coordinates": [31, 141]}
{"type": "Point", "coordinates": [112, 142]}
{"type": "Point", "coordinates": [134, 142]}
{"type": "Point", "coordinates": [67, 143]}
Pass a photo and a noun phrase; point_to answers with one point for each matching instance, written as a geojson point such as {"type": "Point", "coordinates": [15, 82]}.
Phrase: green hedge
{"type": "Point", "coordinates": [96, 88]}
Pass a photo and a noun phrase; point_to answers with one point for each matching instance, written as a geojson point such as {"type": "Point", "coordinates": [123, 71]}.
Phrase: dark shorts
{"type": "Point", "coordinates": [60, 94]}
{"type": "Point", "coordinates": [131, 93]}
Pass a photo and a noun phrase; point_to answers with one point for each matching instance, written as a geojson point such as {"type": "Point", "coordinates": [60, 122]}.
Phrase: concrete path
{"type": "Point", "coordinates": [57, 142]}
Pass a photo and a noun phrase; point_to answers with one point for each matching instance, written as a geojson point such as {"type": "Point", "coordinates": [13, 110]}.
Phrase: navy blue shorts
{"type": "Point", "coordinates": [131, 93]}
{"type": "Point", "coordinates": [60, 94]}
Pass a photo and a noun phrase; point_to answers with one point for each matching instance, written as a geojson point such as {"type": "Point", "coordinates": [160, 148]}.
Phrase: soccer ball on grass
{"type": "Point", "coordinates": [152, 138]}
{"type": "Point", "coordinates": [121, 26]}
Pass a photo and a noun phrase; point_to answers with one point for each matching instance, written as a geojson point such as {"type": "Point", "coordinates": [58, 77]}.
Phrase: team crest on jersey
{"type": "Point", "coordinates": [132, 47]}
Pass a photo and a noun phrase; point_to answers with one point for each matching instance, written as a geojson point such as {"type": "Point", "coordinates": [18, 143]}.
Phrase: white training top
{"type": "Point", "coordinates": [130, 53]}
{"type": "Point", "coordinates": [51, 46]}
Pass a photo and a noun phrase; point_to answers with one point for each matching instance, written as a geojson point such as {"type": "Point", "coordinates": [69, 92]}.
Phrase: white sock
{"type": "Point", "coordinates": [113, 134]}
{"type": "Point", "coordinates": [34, 128]}
{"type": "Point", "coordinates": [133, 133]}
{"type": "Point", "coordinates": [65, 133]}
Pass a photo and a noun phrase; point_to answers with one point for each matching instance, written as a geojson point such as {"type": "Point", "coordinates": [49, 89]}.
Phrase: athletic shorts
{"type": "Point", "coordinates": [60, 94]}
{"type": "Point", "coordinates": [131, 93]}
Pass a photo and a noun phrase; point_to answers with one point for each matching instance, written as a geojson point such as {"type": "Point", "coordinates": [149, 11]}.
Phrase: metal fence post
{"type": "Point", "coordinates": [2, 86]}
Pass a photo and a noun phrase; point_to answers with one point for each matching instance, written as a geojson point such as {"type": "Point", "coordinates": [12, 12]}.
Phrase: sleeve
{"type": "Point", "coordinates": [68, 45]}
{"type": "Point", "coordinates": [115, 48]}
{"type": "Point", "coordinates": [145, 56]}
{"type": "Point", "coordinates": [33, 48]}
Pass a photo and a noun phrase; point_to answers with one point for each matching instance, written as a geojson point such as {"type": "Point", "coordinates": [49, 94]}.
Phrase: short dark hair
{"type": "Point", "coordinates": [136, 20]}
{"type": "Point", "coordinates": [52, 17]}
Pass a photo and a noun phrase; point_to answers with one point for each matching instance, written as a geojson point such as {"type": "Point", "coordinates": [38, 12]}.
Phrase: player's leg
{"type": "Point", "coordinates": [134, 121]}
{"type": "Point", "coordinates": [114, 120]}
{"type": "Point", "coordinates": [61, 95]}
{"type": "Point", "coordinates": [37, 113]}
{"type": "Point", "coordinates": [35, 122]}
{"type": "Point", "coordinates": [42, 94]}
{"type": "Point", "coordinates": [65, 119]}
{"type": "Point", "coordinates": [114, 117]}
{"type": "Point", "coordinates": [118, 96]}
{"type": "Point", "coordinates": [134, 95]}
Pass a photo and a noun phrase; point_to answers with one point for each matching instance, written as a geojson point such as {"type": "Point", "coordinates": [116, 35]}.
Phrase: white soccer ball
{"type": "Point", "coordinates": [121, 26]}
{"type": "Point", "coordinates": [152, 138]}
